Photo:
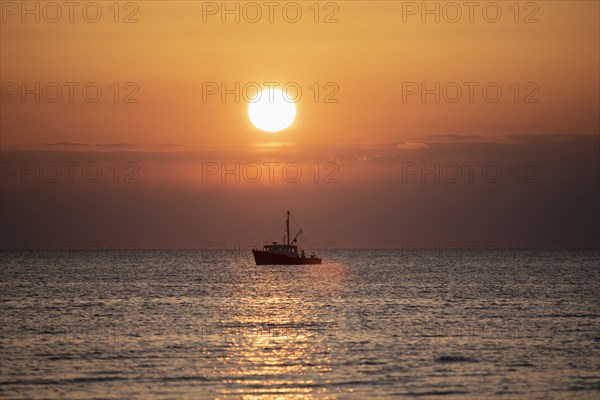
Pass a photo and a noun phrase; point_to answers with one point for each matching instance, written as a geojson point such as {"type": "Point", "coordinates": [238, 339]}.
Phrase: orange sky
{"type": "Point", "coordinates": [368, 54]}
{"type": "Point", "coordinates": [377, 58]}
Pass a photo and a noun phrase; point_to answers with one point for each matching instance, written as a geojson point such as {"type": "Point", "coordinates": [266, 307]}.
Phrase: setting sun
{"type": "Point", "coordinates": [271, 110]}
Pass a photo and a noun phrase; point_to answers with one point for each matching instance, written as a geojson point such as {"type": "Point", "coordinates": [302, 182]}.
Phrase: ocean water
{"type": "Point", "coordinates": [365, 324]}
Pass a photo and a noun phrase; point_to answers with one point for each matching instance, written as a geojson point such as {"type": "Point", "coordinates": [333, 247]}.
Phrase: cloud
{"type": "Point", "coordinates": [453, 138]}
{"type": "Point", "coordinates": [118, 144]}
{"type": "Point", "coordinates": [59, 144]}
{"type": "Point", "coordinates": [109, 145]}
{"type": "Point", "coordinates": [412, 146]}
{"type": "Point", "coordinates": [541, 138]}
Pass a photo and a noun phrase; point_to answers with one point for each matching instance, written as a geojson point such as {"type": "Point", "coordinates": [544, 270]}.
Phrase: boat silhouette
{"type": "Point", "coordinates": [286, 253]}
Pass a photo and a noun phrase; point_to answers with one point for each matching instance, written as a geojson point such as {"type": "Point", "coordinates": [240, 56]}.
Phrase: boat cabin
{"type": "Point", "coordinates": [284, 249]}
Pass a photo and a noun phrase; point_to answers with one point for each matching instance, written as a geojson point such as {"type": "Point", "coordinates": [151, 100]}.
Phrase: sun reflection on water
{"type": "Point", "coordinates": [276, 337]}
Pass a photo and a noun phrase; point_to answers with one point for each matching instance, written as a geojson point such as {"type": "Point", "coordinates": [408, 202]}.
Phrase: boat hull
{"type": "Point", "coordinates": [268, 258]}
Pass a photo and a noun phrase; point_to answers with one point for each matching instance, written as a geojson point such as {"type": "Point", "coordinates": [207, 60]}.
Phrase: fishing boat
{"type": "Point", "coordinates": [286, 253]}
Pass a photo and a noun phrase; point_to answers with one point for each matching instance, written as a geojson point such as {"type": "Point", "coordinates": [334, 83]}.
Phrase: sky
{"type": "Point", "coordinates": [429, 124]}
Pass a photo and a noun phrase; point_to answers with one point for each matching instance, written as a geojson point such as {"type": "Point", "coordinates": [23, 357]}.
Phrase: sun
{"type": "Point", "coordinates": [272, 110]}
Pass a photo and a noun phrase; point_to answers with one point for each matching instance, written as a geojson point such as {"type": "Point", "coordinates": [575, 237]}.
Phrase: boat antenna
{"type": "Point", "coordinates": [296, 237]}
{"type": "Point", "coordinates": [304, 239]}
{"type": "Point", "coordinates": [287, 227]}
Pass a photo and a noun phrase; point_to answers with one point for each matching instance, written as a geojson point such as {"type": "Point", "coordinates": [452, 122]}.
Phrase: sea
{"type": "Point", "coordinates": [365, 324]}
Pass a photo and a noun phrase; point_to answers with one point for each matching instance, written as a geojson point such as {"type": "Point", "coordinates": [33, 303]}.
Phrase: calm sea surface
{"type": "Point", "coordinates": [365, 324]}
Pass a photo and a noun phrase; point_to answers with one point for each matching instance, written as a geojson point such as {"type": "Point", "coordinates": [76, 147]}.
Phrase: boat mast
{"type": "Point", "coordinates": [287, 227]}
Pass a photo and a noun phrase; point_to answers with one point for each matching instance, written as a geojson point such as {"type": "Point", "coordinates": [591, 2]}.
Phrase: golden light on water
{"type": "Point", "coordinates": [276, 339]}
